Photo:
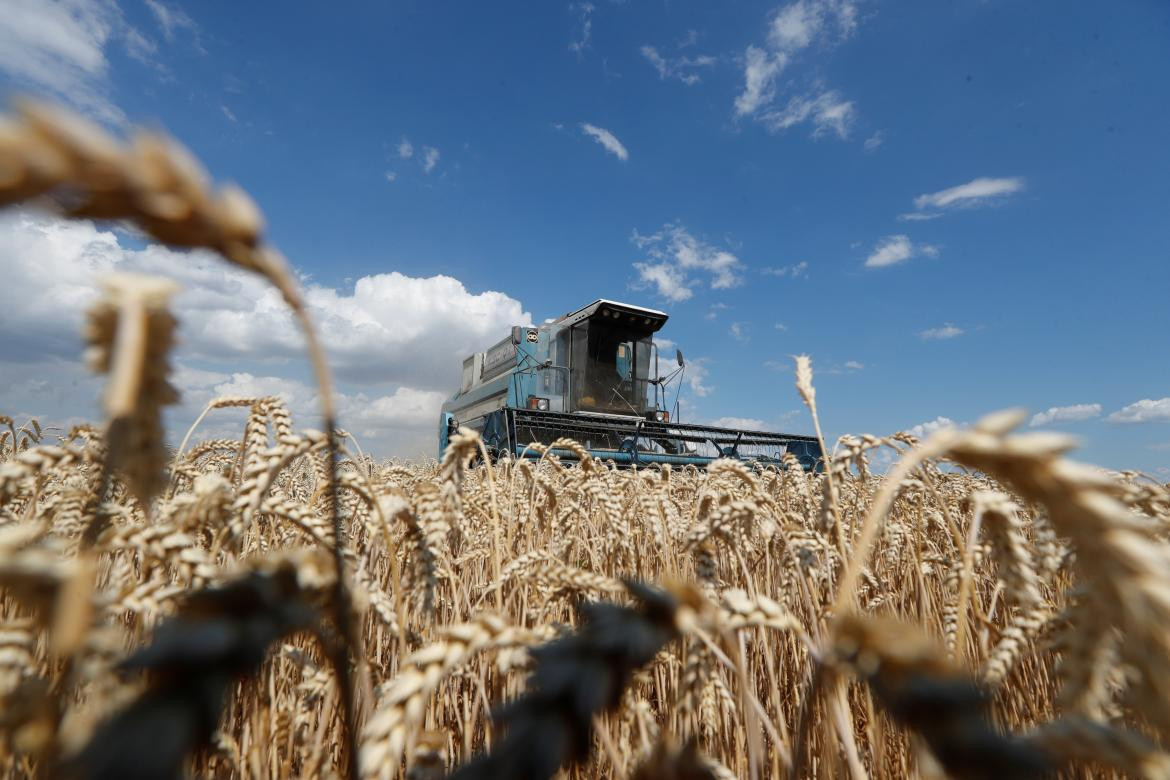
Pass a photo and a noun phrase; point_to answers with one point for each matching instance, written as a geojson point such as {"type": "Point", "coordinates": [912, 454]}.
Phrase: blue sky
{"type": "Point", "coordinates": [953, 207]}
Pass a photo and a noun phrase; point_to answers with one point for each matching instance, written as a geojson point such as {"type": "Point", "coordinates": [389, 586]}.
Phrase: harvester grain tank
{"type": "Point", "coordinates": [593, 375]}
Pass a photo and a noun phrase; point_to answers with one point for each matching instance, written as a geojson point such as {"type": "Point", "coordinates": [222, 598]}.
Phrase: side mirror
{"type": "Point", "coordinates": [679, 358]}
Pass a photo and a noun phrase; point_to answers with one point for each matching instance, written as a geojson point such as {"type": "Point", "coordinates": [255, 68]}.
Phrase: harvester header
{"type": "Point", "coordinates": [593, 375]}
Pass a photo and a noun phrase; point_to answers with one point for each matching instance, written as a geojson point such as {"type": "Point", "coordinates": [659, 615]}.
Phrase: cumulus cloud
{"type": "Point", "coordinates": [1073, 413]}
{"type": "Point", "coordinates": [792, 29]}
{"type": "Point", "coordinates": [977, 192]}
{"type": "Point", "coordinates": [405, 336]}
{"type": "Point", "coordinates": [924, 429]}
{"type": "Point", "coordinates": [892, 250]}
{"type": "Point", "coordinates": [685, 69]}
{"type": "Point", "coordinates": [674, 255]}
{"type": "Point", "coordinates": [62, 48]}
{"type": "Point", "coordinates": [1145, 410]}
{"type": "Point", "coordinates": [405, 149]}
{"type": "Point", "coordinates": [606, 139]}
{"type": "Point", "coordinates": [947, 331]}
{"type": "Point", "coordinates": [696, 377]}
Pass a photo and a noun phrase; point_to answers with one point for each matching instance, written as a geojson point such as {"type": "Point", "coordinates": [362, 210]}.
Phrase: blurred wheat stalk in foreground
{"type": "Point", "coordinates": [274, 605]}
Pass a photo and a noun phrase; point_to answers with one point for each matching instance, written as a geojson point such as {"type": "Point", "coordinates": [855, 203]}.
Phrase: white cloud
{"type": "Point", "coordinates": [606, 139]}
{"type": "Point", "coordinates": [924, 429]}
{"type": "Point", "coordinates": [947, 331]}
{"type": "Point", "coordinates": [800, 24]}
{"type": "Point", "coordinates": [1145, 410]}
{"type": "Point", "coordinates": [171, 19]}
{"type": "Point", "coordinates": [780, 326]}
{"type": "Point", "coordinates": [793, 28]}
{"type": "Point", "coordinates": [892, 250]}
{"type": "Point", "coordinates": [60, 48]}
{"type": "Point", "coordinates": [669, 280]}
{"type": "Point", "coordinates": [1074, 413]}
{"type": "Point", "coordinates": [405, 149]}
{"type": "Point", "coordinates": [741, 423]}
{"type": "Point", "coordinates": [889, 251]}
{"type": "Point", "coordinates": [827, 112]}
{"type": "Point", "coordinates": [405, 335]}
{"type": "Point", "coordinates": [739, 332]}
{"type": "Point", "coordinates": [976, 192]}
{"type": "Point", "coordinates": [584, 13]}
{"type": "Point", "coordinates": [696, 377]}
{"type": "Point", "coordinates": [853, 365]}
{"type": "Point", "coordinates": [674, 254]}
{"type": "Point", "coordinates": [391, 176]}
{"type": "Point", "coordinates": [919, 216]}
{"type": "Point", "coordinates": [228, 113]}
{"type": "Point", "coordinates": [874, 141]}
{"type": "Point", "coordinates": [759, 74]}
{"type": "Point", "coordinates": [430, 158]}
{"type": "Point", "coordinates": [685, 69]}
{"type": "Point", "coordinates": [795, 271]}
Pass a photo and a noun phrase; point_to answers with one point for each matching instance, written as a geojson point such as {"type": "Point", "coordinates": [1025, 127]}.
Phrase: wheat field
{"type": "Point", "coordinates": [280, 605]}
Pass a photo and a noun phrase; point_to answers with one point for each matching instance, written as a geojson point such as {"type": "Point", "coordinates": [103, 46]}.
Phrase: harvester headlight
{"type": "Point", "coordinates": [537, 403]}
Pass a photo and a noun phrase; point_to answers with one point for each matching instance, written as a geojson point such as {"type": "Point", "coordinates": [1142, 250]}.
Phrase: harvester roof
{"type": "Point", "coordinates": [636, 317]}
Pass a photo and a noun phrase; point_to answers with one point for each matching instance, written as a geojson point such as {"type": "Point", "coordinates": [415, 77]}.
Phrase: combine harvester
{"type": "Point", "coordinates": [592, 376]}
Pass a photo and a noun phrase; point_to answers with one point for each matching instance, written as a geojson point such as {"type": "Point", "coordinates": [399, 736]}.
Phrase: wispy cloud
{"type": "Point", "coordinates": [798, 25]}
{"type": "Point", "coordinates": [792, 29]}
{"type": "Point", "coordinates": [827, 111]}
{"type": "Point", "coordinates": [685, 69]}
{"type": "Point", "coordinates": [941, 333]}
{"type": "Point", "coordinates": [977, 192]}
{"type": "Point", "coordinates": [674, 255]}
{"type": "Point", "coordinates": [606, 139]}
{"type": "Point", "coordinates": [62, 49]}
{"type": "Point", "coordinates": [874, 141]}
{"type": "Point", "coordinates": [391, 176]}
{"type": "Point", "coordinates": [739, 332]}
{"type": "Point", "coordinates": [759, 72]}
{"type": "Point", "coordinates": [405, 149]}
{"type": "Point", "coordinates": [1073, 413]}
{"type": "Point", "coordinates": [170, 19]}
{"type": "Point", "coordinates": [1143, 411]}
{"type": "Point", "coordinates": [795, 271]}
{"type": "Point", "coordinates": [430, 158]}
{"type": "Point", "coordinates": [584, 14]}
{"type": "Point", "coordinates": [892, 250]}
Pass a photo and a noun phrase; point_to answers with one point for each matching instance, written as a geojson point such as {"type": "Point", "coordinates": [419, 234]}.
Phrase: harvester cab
{"type": "Point", "coordinates": [594, 375]}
